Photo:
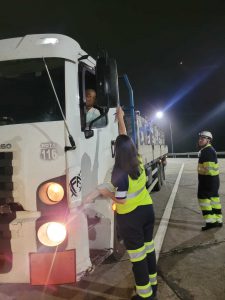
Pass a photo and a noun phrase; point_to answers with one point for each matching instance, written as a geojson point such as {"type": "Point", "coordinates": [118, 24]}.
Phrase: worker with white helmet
{"type": "Point", "coordinates": [208, 182]}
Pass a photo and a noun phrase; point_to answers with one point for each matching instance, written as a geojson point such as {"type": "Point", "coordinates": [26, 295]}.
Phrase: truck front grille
{"type": "Point", "coordinates": [6, 212]}
{"type": "Point", "coordinates": [6, 183]}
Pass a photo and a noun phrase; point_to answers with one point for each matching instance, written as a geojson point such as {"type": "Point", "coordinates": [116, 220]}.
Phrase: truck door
{"type": "Point", "coordinates": [96, 158]}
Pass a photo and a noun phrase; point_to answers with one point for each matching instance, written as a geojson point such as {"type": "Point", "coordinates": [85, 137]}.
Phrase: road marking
{"type": "Point", "coordinates": [160, 234]}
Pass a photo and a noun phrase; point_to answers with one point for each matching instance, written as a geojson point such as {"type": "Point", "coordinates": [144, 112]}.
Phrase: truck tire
{"type": "Point", "coordinates": [159, 182]}
{"type": "Point", "coordinates": [161, 174]}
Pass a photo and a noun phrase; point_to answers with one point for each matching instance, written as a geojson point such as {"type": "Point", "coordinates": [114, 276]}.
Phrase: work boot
{"type": "Point", "coordinates": [210, 225]}
{"type": "Point", "coordinates": [137, 297]}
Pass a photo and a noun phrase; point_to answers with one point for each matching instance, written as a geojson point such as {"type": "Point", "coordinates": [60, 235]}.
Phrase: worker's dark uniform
{"type": "Point", "coordinates": [135, 220]}
{"type": "Point", "coordinates": [208, 185]}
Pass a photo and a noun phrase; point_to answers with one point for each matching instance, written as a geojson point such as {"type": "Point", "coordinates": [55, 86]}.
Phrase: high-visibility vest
{"type": "Point", "coordinates": [137, 194]}
{"type": "Point", "coordinates": [208, 167]}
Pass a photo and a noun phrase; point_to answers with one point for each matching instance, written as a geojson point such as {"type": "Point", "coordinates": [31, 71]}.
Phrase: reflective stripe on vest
{"type": "Point", "coordinates": [137, 194]}
{"type": "Point", "coordinates": [129, 196]}
{"type": "Point", "coordinates": [210, 168]}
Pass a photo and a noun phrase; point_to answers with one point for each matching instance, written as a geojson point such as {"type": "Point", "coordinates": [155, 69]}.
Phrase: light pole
{"type": "Point", "coordinates": [159, 115]}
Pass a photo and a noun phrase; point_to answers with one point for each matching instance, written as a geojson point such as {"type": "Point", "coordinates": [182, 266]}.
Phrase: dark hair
{"type": "Point", "coordinates": [126, 156]}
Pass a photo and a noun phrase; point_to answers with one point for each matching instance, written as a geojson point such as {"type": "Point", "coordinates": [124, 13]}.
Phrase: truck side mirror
{"type": "Point", "coordinates": [107, 87]}
{"type": "Point", "coordinates": [88, 133]}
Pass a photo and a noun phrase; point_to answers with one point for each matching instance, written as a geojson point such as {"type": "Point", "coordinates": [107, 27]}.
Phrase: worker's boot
{"type": "Point", "coordinates": [210, 225]}
{"type": "Point", "coordinates": [136, 297]}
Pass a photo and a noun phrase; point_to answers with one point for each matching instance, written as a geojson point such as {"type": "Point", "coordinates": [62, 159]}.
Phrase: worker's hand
{"type": "Point", "coordinates": [105, 192]}
{"type": "Point", "coordinates": [119, 113]}
{"type": "Point", "coordinates": [91, 197]}
{"type": "Point", "coordinates": [120, 118]}
{"type": "Point", "coordinates": [87, 199]}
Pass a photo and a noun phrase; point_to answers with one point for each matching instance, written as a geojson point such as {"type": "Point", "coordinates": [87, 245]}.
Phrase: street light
{"type": "Point", "coordinates": [159, 115]}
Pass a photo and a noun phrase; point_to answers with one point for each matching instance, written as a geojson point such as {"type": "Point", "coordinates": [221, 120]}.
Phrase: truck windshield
{"type": "Point", "coordinates": [26, 95]}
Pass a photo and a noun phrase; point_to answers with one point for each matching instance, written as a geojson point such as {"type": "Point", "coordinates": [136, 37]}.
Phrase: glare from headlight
{"type": "Point", "coordinates": [56, 232]}
{"type": "Point", "coordinates": [52, 233]}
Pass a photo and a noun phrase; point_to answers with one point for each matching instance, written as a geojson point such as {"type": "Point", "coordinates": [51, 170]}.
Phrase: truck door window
{"type": "Point", "coordinates": [89, 108]}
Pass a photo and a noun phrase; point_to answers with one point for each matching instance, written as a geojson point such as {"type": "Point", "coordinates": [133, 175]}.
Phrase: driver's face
{"type": "Point", "coordinates": [90, 98]}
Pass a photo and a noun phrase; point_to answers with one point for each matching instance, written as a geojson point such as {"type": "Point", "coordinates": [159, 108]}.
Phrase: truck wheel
{"type": "Point", "coordinates": [159, 183]}
{"type": "Point", "coordinates": [161, 173]}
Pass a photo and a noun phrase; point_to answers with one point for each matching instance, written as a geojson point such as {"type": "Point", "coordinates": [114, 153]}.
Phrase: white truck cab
{"type": "Point", "coordinates": [50, 159]}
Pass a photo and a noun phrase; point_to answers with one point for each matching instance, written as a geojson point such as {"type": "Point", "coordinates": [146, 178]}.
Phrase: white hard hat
{"type": "Point", "coordinates": [206, 134]}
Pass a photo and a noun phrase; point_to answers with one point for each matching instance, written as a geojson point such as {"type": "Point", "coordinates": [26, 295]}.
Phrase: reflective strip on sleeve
{"type": "Point", "coordinates": [121, 195]}
{"type": "Point", "coordinates": [208, 168]}
{"type": "Point", "coordinates": [137, 254]}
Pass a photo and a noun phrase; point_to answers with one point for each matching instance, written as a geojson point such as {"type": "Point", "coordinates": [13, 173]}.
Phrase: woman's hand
{"type": "Point", "coordinates": [89, 198]}
{"type": "Point", "coordinates": [120, 118]}
{"type": "Point", "coordinates": [119, 113]}
{"type": "Point", "coordinates": [105, 192]}
{"type": "Point", "coordinates": [108, 194]}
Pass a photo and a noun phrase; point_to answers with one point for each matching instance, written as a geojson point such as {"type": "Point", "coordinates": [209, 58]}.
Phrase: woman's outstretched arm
{"type": "Point", "coordinates": [120, 118]}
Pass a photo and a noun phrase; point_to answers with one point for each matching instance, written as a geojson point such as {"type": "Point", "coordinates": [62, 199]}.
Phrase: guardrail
{"type": "Point", "coordinates": [220, 154]}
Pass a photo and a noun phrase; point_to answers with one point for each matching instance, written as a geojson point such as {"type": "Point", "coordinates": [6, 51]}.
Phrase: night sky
{"type": "Point", "coordinates": [172, 51]}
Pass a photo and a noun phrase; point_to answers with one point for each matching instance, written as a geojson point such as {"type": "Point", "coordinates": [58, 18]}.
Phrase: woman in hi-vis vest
{"type": "Point", "coordinates": [135, 215]}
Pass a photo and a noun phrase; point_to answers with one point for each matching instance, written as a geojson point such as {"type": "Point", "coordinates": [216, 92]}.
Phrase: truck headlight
{"type": "Point", "coordinates": [52, 233]}
{"type": "Point", "coordinates": [51, 193]}
{"type": "Point", "coordinates": [55, 192]}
